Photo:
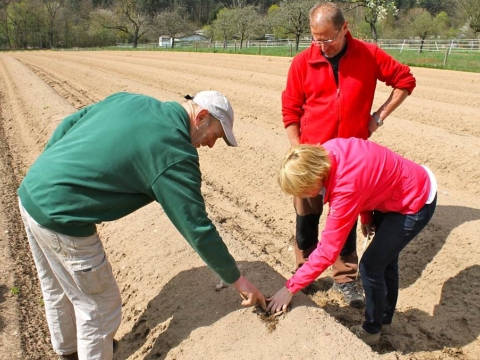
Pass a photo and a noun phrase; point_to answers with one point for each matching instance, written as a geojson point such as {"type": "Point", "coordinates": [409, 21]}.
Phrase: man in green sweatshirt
{"type": "Point", "coordinates": [102, 163]}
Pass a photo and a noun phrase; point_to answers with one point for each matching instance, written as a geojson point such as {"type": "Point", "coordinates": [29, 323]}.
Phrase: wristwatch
{"type": "Point", "coordinates": [377, 119]}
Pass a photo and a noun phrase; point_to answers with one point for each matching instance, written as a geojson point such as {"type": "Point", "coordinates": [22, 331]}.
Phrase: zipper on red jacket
{"type": "Point", "coordinates": [339, 109]}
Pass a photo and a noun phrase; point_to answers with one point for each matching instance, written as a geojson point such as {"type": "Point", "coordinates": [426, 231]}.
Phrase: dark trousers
{"type": "Point", "coordinates": [308, 212]}
{"type": "Point", "coordinates": [379, 263]}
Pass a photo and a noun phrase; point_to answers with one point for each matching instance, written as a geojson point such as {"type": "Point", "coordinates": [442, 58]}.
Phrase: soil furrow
{"type": "Point", "coordinates": [34, 335]}
{"type": "Point", "coordinates": [437, 126]}
{"type": "Point", "coordinates": [77, 98]}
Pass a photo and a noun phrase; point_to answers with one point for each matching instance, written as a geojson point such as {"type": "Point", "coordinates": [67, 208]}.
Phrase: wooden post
{"type": "Point", "coordinates": [446, 54]}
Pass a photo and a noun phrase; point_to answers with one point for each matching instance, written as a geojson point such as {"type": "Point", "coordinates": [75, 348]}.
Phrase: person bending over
{"type": "Point", "coordinates": [395, 199]}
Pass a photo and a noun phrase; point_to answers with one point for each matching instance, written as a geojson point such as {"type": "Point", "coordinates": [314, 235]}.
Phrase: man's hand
{"type": "Point", "coordinates": [249, 292]}
{"type": "Point", "coordinates": [368, 229]}
{"type": "Point", "coordinates": [279, 301]}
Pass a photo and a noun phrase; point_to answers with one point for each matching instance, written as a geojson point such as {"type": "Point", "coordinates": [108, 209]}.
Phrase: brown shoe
{"type": "Point", "coordinates": [365, 336]}
{"type": "Point", "coordinates": [386, 328]}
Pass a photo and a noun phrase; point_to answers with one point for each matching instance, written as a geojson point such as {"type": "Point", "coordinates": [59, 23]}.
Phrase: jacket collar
{"type": "Point", "coordinates": [315, 55]}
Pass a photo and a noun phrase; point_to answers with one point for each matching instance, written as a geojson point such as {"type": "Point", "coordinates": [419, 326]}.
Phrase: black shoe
{"type": "Point", "coordinates": [73, 356]}
{"type": "Point", "coordinates": [351, 294]}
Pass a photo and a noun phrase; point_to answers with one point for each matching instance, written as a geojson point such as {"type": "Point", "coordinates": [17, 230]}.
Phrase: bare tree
{"type": "Point", "coordinates": [292, 17]}
{"type": "Point", "coordinates": [38, 26]}
{"type": "Point", "coordinates": [77, 24]}
{"type": "Point", "coordinates": [4, 28]}
{"type": "Point", "coordinates": [421, 23]}
{"type": "Point", "coordinates": [52, 8]}
{"type": "Point", "coordinates": [125, 18]}
{"type": "Point", "coordinates": [222, 26]}
{"type": "Point", "coordinates": [47, 23]}
{"type": "Point", "coordinates": [20, 15]}
{"type": "Point", "coordinates": [172, 23]}
{"type": "Point", "coordinates": [244, 20]}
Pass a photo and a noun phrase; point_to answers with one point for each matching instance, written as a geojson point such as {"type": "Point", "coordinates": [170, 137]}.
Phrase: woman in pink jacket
{"type": "Point", "coordinates": [395, 199]}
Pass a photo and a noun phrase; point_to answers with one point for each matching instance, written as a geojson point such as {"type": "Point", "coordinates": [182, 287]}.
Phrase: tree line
{"type": "Point", "coordinates": [43, 24]}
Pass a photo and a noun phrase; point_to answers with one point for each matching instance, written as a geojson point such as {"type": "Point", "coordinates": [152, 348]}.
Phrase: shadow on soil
{"type": "Point", "coordinates": [184, 305]}
{"type": "Point", "coordinates": [177, 310]}
{"type": "Point", "coordinates": [3, 291]}
{"type": "Point", "coordinates": [456, 318]}
{"type": "Point", "coordinates": [423, 249]}
{"type": "Point", "coordinates": [455, 321]}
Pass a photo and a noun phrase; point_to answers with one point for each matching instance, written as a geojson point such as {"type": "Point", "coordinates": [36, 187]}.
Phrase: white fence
{"type": "Point", "coordinates": [453, 45]}
{"type": "Point", "coordinates": [441, 45]}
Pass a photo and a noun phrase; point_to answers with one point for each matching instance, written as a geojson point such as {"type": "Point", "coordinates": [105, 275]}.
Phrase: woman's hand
{"type": "Point", "coordinates": [279, 301]}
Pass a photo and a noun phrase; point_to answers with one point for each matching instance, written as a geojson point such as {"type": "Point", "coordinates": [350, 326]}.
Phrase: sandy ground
{"type": "Point", "coordinates": [170, 307]}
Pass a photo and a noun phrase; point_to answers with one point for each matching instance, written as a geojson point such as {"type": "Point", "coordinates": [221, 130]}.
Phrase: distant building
{"type": "Point", "coordinates": [192, 37]}
{"type": "Point", "coordinates": [166, 40]}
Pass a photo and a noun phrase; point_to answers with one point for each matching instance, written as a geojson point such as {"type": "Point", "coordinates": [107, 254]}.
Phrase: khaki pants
{"type": "Point", "coordinates": [308, 212]}
{"type": "Point", "coordinates": [81, 297]}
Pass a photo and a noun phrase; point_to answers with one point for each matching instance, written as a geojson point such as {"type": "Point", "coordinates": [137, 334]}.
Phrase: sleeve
{"type": "Point", "coordinates": [293, 97]}
{"type": "Point", "coordinates": [366, 217]}
{"type": "Point", "coordinates": [343, 212]}
{"type": "Point", "coordinates": [393, 73]}
{"type": "Point", "coordinates": [178, 190]}
{"type": "Point", "coordinates": [66, 125]}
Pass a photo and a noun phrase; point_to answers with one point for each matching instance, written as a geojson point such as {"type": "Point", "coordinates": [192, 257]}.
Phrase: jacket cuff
{"type": "Point", "coordinates": [292, 286]}
{"type": "Point", "coordinates": [288, 122]}
{"type": "Point", "coordinates": [366, 217]}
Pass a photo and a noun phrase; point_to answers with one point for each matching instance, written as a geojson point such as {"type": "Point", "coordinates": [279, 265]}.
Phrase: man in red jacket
{"type": "Point", "coordinates": [329, 94]}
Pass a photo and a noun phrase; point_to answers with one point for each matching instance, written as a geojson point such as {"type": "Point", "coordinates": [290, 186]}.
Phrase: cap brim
{"type": "Point", "coordinates": [229, 137]}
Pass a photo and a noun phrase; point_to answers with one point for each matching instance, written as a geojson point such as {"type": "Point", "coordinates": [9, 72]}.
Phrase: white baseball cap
{"type": "Point", "coordinates": [219, 107]}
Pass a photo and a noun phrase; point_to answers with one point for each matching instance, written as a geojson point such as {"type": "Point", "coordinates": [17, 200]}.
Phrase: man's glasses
{"type": "Point", "coordinates": [326, 42]}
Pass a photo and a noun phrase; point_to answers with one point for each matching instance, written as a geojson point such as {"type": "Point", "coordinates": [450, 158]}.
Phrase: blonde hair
{"type": "Point", "coordinates": [302, 168]}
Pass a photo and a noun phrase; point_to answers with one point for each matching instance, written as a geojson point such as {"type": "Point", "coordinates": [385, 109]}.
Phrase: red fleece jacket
{"type": "Point", "coordinates": [326, 111]}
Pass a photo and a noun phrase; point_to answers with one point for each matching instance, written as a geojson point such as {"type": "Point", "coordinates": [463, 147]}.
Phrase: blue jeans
{"type": "Point", "coordinates": [379, 263]}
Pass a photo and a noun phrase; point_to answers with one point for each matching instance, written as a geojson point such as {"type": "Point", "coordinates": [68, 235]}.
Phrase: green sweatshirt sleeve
{"type": "Point", "coordinates": [178, 190]}
{"type": "Point", "coordinates": [66, 125]}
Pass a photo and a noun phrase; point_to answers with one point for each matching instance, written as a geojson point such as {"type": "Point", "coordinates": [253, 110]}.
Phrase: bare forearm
{"type": "Point", "coordinates": [397, 96]}
{"type": "Point", "coordinates": [293, 134]}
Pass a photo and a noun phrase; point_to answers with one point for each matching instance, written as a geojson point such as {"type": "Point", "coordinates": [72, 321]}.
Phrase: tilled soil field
{"type": "Point", "coordinates": [170, 307]}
